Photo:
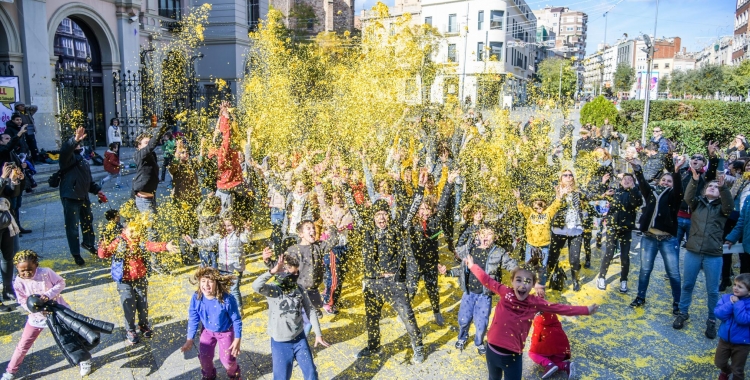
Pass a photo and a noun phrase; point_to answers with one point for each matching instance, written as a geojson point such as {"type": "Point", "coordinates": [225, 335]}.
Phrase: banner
{"type": "Point", "coordinates": [9, 94]}
{"type": "Point", "coordinates": [652, 85]}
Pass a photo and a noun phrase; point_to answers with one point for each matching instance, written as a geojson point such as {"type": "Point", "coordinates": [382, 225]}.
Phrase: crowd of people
{"type": "Point", "coordinates": [338, 214]}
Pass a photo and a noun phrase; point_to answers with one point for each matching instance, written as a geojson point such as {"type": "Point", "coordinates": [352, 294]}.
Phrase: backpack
{"type": "Point", "coordinates": [117, 269]}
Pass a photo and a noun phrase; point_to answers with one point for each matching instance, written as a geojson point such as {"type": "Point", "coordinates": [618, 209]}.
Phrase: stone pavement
{"type": "Point", "coordinates": [616, 343]}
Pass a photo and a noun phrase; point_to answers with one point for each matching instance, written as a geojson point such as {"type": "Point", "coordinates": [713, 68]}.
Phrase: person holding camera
{"type": "Point", "coordinates": [27, 119]}
{"type": "Point", "coordinates": [14, 191]}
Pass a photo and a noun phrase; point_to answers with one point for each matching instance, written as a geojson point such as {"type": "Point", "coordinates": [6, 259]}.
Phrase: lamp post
{"type": "Point", "coordinates": [649, 58]}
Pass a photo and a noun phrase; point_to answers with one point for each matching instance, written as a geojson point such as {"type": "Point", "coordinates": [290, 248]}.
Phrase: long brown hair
{"type": "Point", "coordinates": [223, 282]}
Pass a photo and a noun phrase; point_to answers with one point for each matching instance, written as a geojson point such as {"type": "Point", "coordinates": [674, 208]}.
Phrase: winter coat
{"type": "Point", "coordinates": [742, 228]}
{"type": "Point", "coordinates": [12, 129]}
{"type": "Point", "coordinates": [425, 235]}
{"type": "Point", "coordinates": [548, 337]}
{"type": "Point", "coordinates": [623, 207]}
{"type": "Point", "coordinates": [134, 254]}
{"type": "Point", "coordinates": [231, 249]}
{"type": "Point", "coordinates": [497, 257]}
{"type": "Point", "coordinates": [111, 162]}
{"type": "Point", "coordinates": [147, 165]}
{"type": "Point", "coordinates": [665, 205]}
{"type": "Point", "coordinates": [586, 145]}
{"type": "Point", "coordinates": [399, 258]}
{"type": "Point", "coordinates": [735, 319]}
{"type": "Point", "coordinates": [77, 182]}
{"type": "Point", "coordinates": [707, 220]}
{"type": "Point", "coordinates": [44, 283]}
{"type": "Point", "coordinates": [538, 225]}
{"type": "Point", "coordinates": [310, 258]}
{"type": "Point", "coordinates": [705, 177]}
{"type": "Point", "coordinates": [185, 181]}
{"type": "Point", "coordinates": [228, 159]}
{"type": "Point", "coordinates": [114, 134]}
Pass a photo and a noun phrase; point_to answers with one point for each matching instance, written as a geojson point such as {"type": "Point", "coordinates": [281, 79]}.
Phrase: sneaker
{"type": "Point", "coordinates": [8, 376]}
{"type": "Point", "coordinates": [10, 297]}
{"type": "Point", "coordinates": [85, 367]}
{"type": "Point", "coordinates": [571, 370]}
{"type": "Point", "coordinates": [330, 309]}
{"type": "Point", "coordinates": [679, 322]}
{"type": "Point", "coordinates": [711, 329]}
{"type": "Point", "coordinates": [79, 260]}
{"type": "Point", "coordinates": [587, 264]}
{"type": "Point", "coordinates": [5, 308]}
{"type": "Point", "coordinates": [439, 319]}
{"type": "Point", "coordinates": [418, 354]}
{"type": "Point", "coordinates": [482, 350]}
{"type": "Point", "coordinates": [722, 376]}
{"type": "Point", "coordinates": [675, 308]}
{"type": "Point", "coordinates": [601, 283]}
{"type": "Point", "coordinates": [638, 302]}
{"type": "Point", "coordinates": [368, 352]}
{"type": "Point", "coordinates": [132, 337]}
{"type": "Point", "coordinates": [460, 344]}
{"type": "Point", "coordinates": [146, 331]}
{"type": "Point", "coordinates": [91, 248]}
{"type": "Point", "coordinates": [549, 370]}
{"type": "Point", "coordinates": [623, 287]}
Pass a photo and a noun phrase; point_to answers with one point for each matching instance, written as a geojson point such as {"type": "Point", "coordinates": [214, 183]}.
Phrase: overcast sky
{"type": "Point", "coordinates": [697, 22]}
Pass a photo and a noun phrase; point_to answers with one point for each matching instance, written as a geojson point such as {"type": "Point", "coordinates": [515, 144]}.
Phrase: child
{"type": "Point", "coordinates": [550, 347]}
{"type": "Point", "coordinates": [512, 320]}
{"type": "Point", "coordinates": [129, 256]}
{"type": "Point", "coordinates": [34, 280]}
{"type": "Point", "coordinates": [734, 333]}
{"type": "Point", "coordinates": [538, 218]}
{"type": "Point", "coordinates": [112, 165]}
{"type": "Point", "coordinates": [286, 302]}
{"type": "Point", "coordinates": [217, 311]}
{"type": "Point", "coordinates": [169, 148]}
{"type": "Point", "coordinates": [111, 228]}
{"type": "Point", "coordinates": [476, 302]}
{"type": "Point", "coordinates": [231, 259]}
{"type": "Point", "coordinates": [335, 260]}
{"type": "Point", "coordinates": [208, 221]}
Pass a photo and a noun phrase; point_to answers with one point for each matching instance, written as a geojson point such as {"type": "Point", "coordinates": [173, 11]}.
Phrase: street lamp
{"type": "Point", "coordinates": [649, 59]}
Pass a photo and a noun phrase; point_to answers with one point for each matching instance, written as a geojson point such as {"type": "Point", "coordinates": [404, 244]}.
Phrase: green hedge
{"type": "Point", "coordinates": [690, 123]}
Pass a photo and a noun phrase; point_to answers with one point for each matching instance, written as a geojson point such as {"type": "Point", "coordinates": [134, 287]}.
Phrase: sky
{"type": "Point", "coordinates": [697, 22]}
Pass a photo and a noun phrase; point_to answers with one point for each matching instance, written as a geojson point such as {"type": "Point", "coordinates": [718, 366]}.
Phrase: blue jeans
{"type": "Point", "coordinates": [474, 307]}
{"type": "Point", "coordinates": [145, 204]}
{"type": "Point", "coordinates": [683, 230]}
{"type": "Point", "coordinates": [78, 213]}
{"type": "Point", "coordinates": [649, 248]}
{"type": "Point", "coordinates": [283, 355]}
{"type": "Point", "coordinates": [235, 289]}
{"type": "Point", "coordinates": [711, 266]}
{"type": "Point", "coordinates": [208, 258]}
{"type": "Point", "coordinates": [277, 215]}
{"type": "Point", "coordinates": [545, 254]}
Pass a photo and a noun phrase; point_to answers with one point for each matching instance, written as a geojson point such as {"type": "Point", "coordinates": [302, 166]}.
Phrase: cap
{"type": "Point", "coordinates": [380, 205]}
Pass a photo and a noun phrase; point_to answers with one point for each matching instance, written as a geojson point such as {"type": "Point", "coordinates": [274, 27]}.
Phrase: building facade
{"type": "Point", "coordinates": [568, 28]}
{"type": "Point", "coordinates": [720, 53]}
{"type": "Point", "coordinates": [740, 40]}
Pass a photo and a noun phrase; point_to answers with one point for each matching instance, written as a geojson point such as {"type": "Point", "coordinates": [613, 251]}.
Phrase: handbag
{"type": "Point", "coordinates": [557, 279]}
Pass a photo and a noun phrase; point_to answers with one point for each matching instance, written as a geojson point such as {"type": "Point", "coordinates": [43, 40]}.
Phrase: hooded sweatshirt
{"type": "Point", "coordinates": [285, 309]}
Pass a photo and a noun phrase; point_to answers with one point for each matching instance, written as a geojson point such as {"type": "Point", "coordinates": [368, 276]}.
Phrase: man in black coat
{"type": "Point", "coordinates": [75, 185]}
{"type": "Point", "coordinates": [146, 177]}
{"type": "Point", "coordinates": [9, 144]}
{"type": "Point", "coordinates": [585, 143]}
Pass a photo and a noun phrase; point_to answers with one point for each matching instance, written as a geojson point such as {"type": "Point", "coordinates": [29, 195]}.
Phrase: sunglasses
{"type": "Point", "coordinates": [567, 175]}
{"type": "Point", "coordinates": [657, 130]}
{"type": "Point", "coordinates": [697, 157]}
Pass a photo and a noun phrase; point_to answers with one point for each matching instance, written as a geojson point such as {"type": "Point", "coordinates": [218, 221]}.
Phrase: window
{"type": "Point", "coordinates": [496, 19]}
{"type": "Point", "coordinates": [67, 45]}
{"type": "Point", "coordinates": [253, 14]}
{"type": "Point", "coordinates": [554, 15]}
{"type": "Point", "coordinates": [81, 49]}
{"type": "Point", "coordinates": [480, 51]}
{"type": "Point", "coordinates": [579, 28]}
{"type": "Point", "coordinates": [428, 20]}
{"type": "Point", "coordinates": [452, 53]}
{"type": "Point", "coordinates": [569, 28]}
{"type": "Point", "coordinates": [452, 24]}
{"type": "Point", "coordinates": [656, 65]}
{"type": "Point", "coordinates": [480, 20]}
{"type": "Point", "coordinates": [171, 9]}
{"type": "Point", "coordinates": [666, 65]}
{"type": "Point", "coordinates": [496, 51]}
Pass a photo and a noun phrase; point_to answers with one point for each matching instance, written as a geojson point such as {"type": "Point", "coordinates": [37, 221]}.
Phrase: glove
{"type": "Point", "coordinates": [102, 197]}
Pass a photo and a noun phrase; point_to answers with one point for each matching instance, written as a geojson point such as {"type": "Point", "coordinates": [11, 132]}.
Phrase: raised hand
{"type": "Point", "coordinates": [696, 175]}
{"type": "Point", "coordinates": [80, 134]}
{"type": "Point", "coordinates": [279, 265]}
{"type": "Point", "coordinates": [442, 269]}
{"type": "Point", "coordinates": [713, 147]}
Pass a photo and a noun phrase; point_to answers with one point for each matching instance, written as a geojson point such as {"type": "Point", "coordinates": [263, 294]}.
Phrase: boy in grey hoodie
{"type": "Point", "coordinates": [286, 300]}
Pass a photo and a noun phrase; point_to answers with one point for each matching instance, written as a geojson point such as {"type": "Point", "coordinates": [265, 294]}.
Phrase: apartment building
{"type": "Point", "coordinates": [568, 28]}
{"type": "Point", "coordinates": [741, 39]}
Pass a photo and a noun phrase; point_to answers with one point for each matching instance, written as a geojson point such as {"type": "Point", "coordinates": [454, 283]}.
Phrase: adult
{"type": "Point", "coordinates": [739, 146]}
{"type": "Point", "coordinates": [27, 118]}
{"type": "Point", "coordinates": [168, 146]}
{"type": "Point", "coordinates": [389, 267]}
{"type": "Point", "coordinates": [12, 127]}
{"type": "Point", "coordinates": [660, 140]}
{"type": "Point", "coordinates": [14, 190]}
{"type": "Point", "coordinates": [585, 143]}
{"type": "Point", "coordinates": [184, 172]}
{"type": "Point", "coordinates": [741, 230]}
{"type": "Point", "coordinates": [566, 139]}
{"type": "Point", "coordinates": [740, 190]}
{"type": "Point", "coordinates": [658, 223]}
{"type": "Point", "coordinates": [653, 161]}
{"type": "Point", "coordinates": [527, 127]}
{"type": "Point", "coordinates": [114, 134]}
{"type": "Point", "coordinates": [704, 246]}
{"type": "Point", "coordinates": [568, 226]}
{"type": "Point", "coordinates": [698, 163]}
{"type": "Point", "coordinates": [146, 178]}
{"type": "Point", "coordinates": [75, 184]}
{"type": "Point", "coordinates": [606, 133]}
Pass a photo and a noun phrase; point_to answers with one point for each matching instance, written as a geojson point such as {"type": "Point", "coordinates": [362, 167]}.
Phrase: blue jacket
{"type": "Point", "coordinates": [214, 315]}
{"type": "Point", "coordinates": [742, 228]}
{"type": "Point", "coordinates": [735, 320]}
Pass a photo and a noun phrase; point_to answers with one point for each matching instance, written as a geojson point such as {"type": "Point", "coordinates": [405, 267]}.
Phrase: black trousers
{"type": "Point", "coordinates": [574, 250]}
{"type": "Point", "coordinates": [726, 265]}
{"type": "Point", "coordinates": [379, 291]}
{"type": "Point", "coordinates": [613, 238]}
{"type": "Point", "coordinates": [6, 260]}
{"type": "Point", "coordinates": [429, 273]}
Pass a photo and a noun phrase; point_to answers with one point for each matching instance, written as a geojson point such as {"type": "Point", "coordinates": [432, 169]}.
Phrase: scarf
{"type": "Point", "coordinates": [572, 217]}
{"type": "Point", "coordinates": [5, 207]}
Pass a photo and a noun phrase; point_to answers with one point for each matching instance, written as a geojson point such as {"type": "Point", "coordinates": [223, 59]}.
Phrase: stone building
{"type": "Point", "coordinates": [314, 16]}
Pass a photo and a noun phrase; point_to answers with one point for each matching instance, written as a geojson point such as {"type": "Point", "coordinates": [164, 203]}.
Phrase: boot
{"type": "Point", "coordinates": [725, 282]}
{"type": "Point", "coordinates": [576, 283]}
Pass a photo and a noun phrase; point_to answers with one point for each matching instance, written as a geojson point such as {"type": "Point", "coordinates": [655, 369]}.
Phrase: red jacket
{"type": "Point", "coordinates": [111, 162]}
{"type": "Point", "coordinates": [512, 321]}
{"type": "Point", "coordinates": [230, 168]}
{"type": "Point", "coordinates": [549, 337]}
{"type": "Point", "coordinates": [135, 265]}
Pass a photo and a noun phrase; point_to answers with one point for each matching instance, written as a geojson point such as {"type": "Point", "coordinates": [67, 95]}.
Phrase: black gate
{"type": "Point", "coordinates": [75, 100]}
{"type": "Point", "coordinates": [138, 99]}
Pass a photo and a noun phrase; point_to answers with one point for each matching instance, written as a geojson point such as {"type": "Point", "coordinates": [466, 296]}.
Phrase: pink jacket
{"type": "Point", "coordinates": [44, 283]}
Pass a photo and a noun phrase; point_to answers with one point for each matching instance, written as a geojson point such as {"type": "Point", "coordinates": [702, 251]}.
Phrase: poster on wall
{"type": "Point", "coordinates": [652, 85]}
{"type": "Point", "coordinates": [9, 94]}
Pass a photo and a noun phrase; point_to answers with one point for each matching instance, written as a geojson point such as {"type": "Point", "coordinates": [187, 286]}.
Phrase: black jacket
{"type": "Point", "coordinates": [708, 176]}
{"type": "Point", "coordinates": [76, 182]}
{"type": "Point", "coordinates": [399, 259]}
{"type": "Point", "coordinates": [425, 241]}
{"type": "Point", "coordinates": [12, 129]}
{"type": "Point", "coordinates": [623, 206]}
{"type": "Point", "coordinates": [668, 203]}
{"type": "Point", "coordinates": [147, 165]}
{"type": "Point", "coordinates": [586, 145]}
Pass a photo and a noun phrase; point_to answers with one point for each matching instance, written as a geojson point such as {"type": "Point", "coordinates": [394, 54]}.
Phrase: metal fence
{"type": "Point", "coordinates": [6, 69]}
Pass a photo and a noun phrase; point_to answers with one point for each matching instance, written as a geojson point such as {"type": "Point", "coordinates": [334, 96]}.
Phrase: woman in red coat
{"type": "Point", "coordinates": [550, 347]}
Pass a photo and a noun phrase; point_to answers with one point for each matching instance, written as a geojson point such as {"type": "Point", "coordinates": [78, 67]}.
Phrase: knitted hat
{"type": "Point", "coordinates": [380, 205]}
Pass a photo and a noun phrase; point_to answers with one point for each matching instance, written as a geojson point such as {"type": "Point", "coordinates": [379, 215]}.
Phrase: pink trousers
{"type": "Point", "coordinates": [543, 360]}
{"type": "Point", "coordinates": [30, 333]}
